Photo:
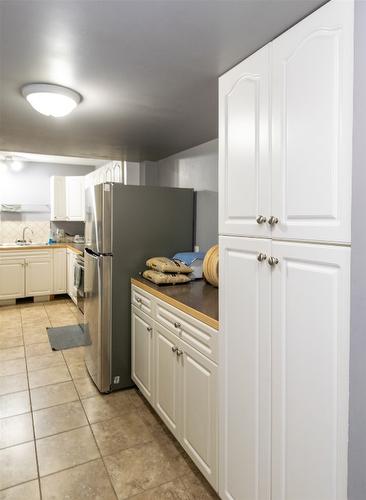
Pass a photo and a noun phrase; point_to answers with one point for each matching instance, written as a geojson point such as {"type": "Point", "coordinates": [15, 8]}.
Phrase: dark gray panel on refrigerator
{"type": "Point", "coordinates": [147, 222]}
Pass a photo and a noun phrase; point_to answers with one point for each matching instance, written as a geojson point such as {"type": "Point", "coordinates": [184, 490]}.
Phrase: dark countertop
{"type": "Point", "coordinates": [196, 296]}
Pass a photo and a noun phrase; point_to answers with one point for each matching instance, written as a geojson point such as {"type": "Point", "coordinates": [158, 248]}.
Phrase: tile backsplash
{"type": "Point", "coordinates": [10, 231]}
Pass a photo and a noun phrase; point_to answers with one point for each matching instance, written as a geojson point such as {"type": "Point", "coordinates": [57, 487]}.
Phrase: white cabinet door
{"type": "Point", "coordinates": [244, 173]}
{"type": "Point", "coordinates": [310, 349]}
{"type": "Point", "coordinates": [59, 270]}
{"type": "Point", "coordinates": [38, 276]}
{"type": "Point", "coordinates": [142, 352]}
{"type": "Point", "coordinates": [199, 411]}
{"type": "Point", "coordinates": [12, 278]}
{"type": "Point", "coordinates": [167, 387]}
{"type": "Point", "coordinates": [58, 198]}
{"type": "Point", "coordinates": [75, 198]}
{"type": "Point", "coordinates": [312, 126]}
{"type": "Point", "coordinates": [71, 289]}
{"type": "Point", "coordinates": [245, 369]}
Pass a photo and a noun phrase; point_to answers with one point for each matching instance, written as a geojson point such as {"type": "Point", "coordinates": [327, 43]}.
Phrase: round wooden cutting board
{"type": "Point", "coordinates": [211, 266]}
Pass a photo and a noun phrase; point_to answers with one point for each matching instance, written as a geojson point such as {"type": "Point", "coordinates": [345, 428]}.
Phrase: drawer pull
{"type": "Point", "coordinates": [138, 300]}
{"type": "Point", "coordinates": [174, 348]}
{"type": "Point", "coordinates": [149, 328]}
{"type": "Point", "coordinates": [179, 352]}
{"type": "Point", "coordinates": [177, 325]}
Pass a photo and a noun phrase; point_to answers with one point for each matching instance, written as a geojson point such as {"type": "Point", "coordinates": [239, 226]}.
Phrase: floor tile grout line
{"type": "Point", "coordinates": [32, 417]}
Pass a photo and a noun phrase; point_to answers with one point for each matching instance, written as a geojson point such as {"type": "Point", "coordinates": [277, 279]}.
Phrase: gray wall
{"type": "Point", "coordinates": [357, 411]}
{"type": "Point", "coordinates": [195, 168]}
{"type": "Point", "coordinates": [32, 186]}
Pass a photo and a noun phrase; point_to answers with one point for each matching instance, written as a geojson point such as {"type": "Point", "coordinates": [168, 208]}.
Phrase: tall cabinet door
{"type": "Point", "coordinates": [312, 99]}
{"type": "Point", "coordinates": [244, 173]}
{"type": "Point", "coordinates": [75, 198]}
{"type": "Point", "coordinates": [167, 378]}
{"type": "Point", "coordinates": [244, 375]}
{"type": "Point", "coordinates": [310, 349]}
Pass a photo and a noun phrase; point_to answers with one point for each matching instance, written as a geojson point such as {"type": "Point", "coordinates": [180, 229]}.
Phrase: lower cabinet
{"type": "Point", "coordinates": [284, 369]}
{"type": "Point", "coordinates": [181, 385]}
{"type": "Point", "coordinates": [38, 276]}
{"type": "Point", "coordinates": [142, 352]}
{"type": "Point", "coordinates": [31, 273]}
{"type": "Point", "coordinates": [12, 283]}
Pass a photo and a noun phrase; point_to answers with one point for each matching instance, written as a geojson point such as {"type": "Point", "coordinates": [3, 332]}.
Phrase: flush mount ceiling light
{"type": "Point", "coordinates": [51, 100]}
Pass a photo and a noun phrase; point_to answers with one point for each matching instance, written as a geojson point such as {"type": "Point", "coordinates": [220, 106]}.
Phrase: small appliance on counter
{"type": "Point", "coordinates": [78, 239]}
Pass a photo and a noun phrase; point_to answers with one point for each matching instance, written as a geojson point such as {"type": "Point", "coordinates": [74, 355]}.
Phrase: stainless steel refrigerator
{"type": "Point", "coordinates": [125, 225]}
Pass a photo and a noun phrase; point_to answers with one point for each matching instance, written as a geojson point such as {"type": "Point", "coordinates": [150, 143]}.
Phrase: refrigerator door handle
{"type": "Point", "coordinates": [92, 254]}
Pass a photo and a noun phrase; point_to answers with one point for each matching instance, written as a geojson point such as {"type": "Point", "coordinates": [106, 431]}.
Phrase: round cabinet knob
{"type": "Point", "coordinates": [149, 328]}
{"type": "Point", "coordinates": [272, 261]}
{"type": "Point", "coordinates": [138, 300]}
{"type": "Point", "coordinates": [179, 352]}
{"type": "Point", "coordinates": [260, 219]}
{"type": "Point", "coordinates": [174, 348]}
{"type": "Point", "coordinates": [177, 325]}
{"type": "Point", "coordinates": [261, 257]}
{"type": "Point", "coordinates": [273, 220]}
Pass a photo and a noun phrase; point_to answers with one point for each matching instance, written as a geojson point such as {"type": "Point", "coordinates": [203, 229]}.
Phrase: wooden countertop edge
{"type": "Point", "coordinates": [40, 247]}
{"type": "Point", "coordinates": [213, 323]}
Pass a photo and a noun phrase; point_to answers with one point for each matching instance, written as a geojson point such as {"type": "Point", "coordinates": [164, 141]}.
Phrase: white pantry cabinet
{"type": "Point", "coordinates": [285, 295]}
{"type": "Point", "coordinates": [285, 134]}
{"type": "Point", "coordinates": [175, 377]}
{"type": "Point", "coordinates": [67, 198]}
{"type": "Point", "coordinates": [12, 284]}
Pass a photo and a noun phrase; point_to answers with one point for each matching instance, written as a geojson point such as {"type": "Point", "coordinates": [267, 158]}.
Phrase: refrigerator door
{"type": "Point", "coordinates": [98, 318]}
{"type": "Point", "coordinates": [98, 218]}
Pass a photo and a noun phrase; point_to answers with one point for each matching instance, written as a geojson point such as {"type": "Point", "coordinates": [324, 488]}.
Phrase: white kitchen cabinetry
{"type": "Point", "coordinates": [310, 366]}
{"type": "Point", "coordinates": [286, 146]}
{"type": "Point", "coordinates": [39, 275]}
{"type": "Point", "coordinates": [284, 298]}
{"type": "Point", "coordinates": [59, 270]}
{"type": "Point", "coordinates": [142, 352]}
{"type": "Point", "coordinates": [182, 384]}
{"type": "Point", "coordinates": [245, 175]}
{"type": "Point", "coordinates": [110, 172]}
{"type": "Point", "coordinates": [75, 198]}
{"type": "Point", "coordinates": [167, 386]}
{"type": "Point", "coordinates": [312, 121]}
{"type": "Point", "coordinates": [245, 354]}
{"type": "Point", "coordinates": [31, 273]}
{"type": "Point", "coordinates": [12, 283]}
{"type": "Point", "coordinates": [67, 198]}
{"type": "Point", "coordinates": [58, 198]}
{"type": "Point", "coordinates": [70, 264]}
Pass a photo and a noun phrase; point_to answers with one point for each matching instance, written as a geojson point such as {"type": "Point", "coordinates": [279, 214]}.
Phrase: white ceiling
{"type": "Point", "coordinates": [147, 69]}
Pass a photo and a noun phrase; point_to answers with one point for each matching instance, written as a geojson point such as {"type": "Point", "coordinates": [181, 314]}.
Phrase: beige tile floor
{"type": "Point", "coordinates": [61, 439]}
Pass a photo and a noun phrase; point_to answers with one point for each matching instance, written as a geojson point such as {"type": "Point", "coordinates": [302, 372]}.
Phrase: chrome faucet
{"type": "Point", "coordinates": [23, 241]}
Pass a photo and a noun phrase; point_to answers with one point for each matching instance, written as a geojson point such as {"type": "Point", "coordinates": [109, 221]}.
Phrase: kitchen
{"type": "Point", "coordinates": [181, 289]}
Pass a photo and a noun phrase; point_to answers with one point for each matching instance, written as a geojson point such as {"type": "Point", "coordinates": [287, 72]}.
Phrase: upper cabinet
{"type": "Point", "coordinates": [286, 146]}
{"type": "Point", "coordinates": [245, 176]}
{"type": "Point", "coordinates": [312, 100]}
{"type": "Point", "coordinates": [67, 198]}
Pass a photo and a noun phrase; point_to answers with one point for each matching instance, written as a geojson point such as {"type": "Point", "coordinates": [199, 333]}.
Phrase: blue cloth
{"type": "Point", "coordinates": [189, 257]}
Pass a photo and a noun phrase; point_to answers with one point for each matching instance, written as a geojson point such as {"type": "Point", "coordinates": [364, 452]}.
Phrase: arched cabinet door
{"type": "Point", "coordinates": [244, 172]}
{"type": "Point", "coordinates": [312, 104]}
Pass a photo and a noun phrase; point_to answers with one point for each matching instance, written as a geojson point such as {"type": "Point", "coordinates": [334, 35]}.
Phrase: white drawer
{"type": "Point", "coordinates": [197, 334]}
{"type": "Point", "coordinates": [142, 300]}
